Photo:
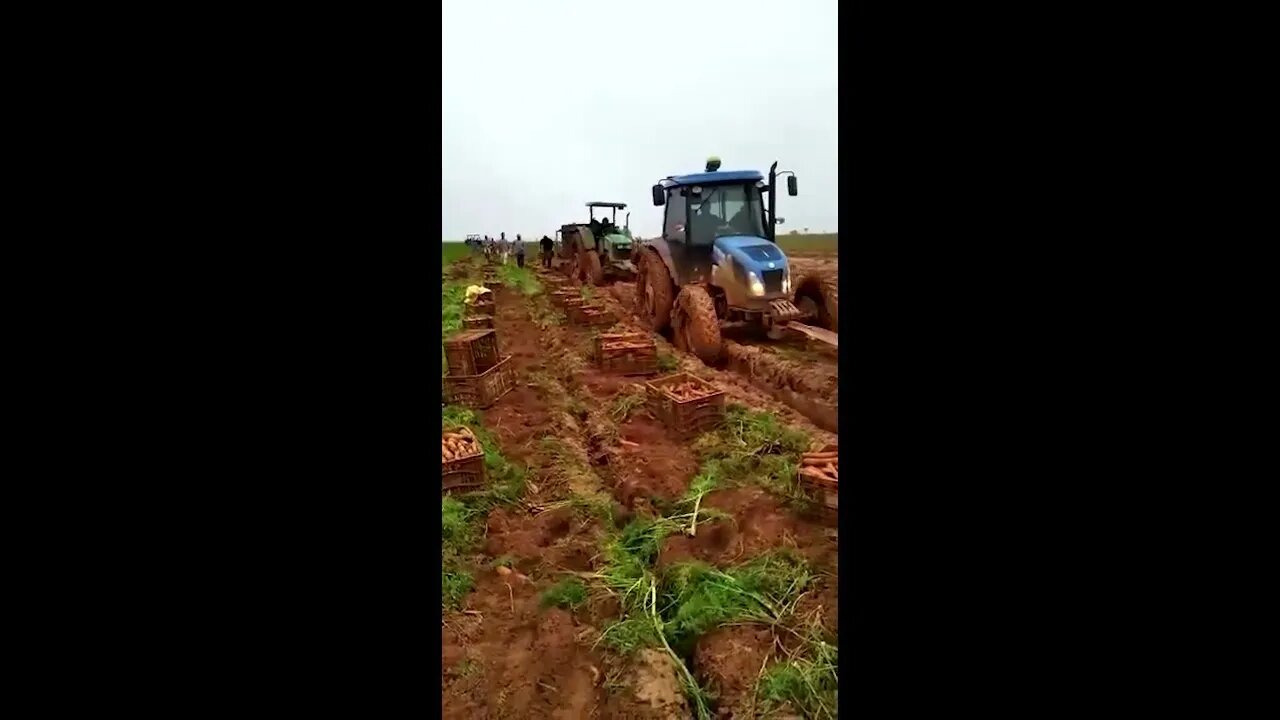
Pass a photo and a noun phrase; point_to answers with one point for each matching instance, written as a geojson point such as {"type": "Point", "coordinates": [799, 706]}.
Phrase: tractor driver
{"type": "Point", "coordinates": [741, 220]}
{"type": "Point", "coordinates": [705, 225]}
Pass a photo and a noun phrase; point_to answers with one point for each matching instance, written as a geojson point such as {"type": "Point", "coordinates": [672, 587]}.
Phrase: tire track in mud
{"type": "Point", "coordinates": [803, 393]}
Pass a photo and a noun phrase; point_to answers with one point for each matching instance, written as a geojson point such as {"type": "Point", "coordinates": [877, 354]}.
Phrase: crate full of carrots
{"type": "Point", "coordinates": [589, 313]}
{"type": "Point", "coordinates": [629, 353]}
{"type": "Point", "coordinates": [819, 476]}
{"type": "Point", "coordinates": [461, 461]}
{"type": "Point", "coordinates": [686, 403]}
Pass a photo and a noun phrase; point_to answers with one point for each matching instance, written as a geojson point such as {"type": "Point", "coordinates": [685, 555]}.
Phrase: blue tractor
{"type": "Point", "coordinates": [718, 262]}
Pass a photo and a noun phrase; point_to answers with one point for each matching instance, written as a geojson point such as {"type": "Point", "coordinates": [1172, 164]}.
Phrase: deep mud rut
{"type": "Point", "coordinates": [798, 374]}
{"type": "Point", "coordinates": [503, 655]}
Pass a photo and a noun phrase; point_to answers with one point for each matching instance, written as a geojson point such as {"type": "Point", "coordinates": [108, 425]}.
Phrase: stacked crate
{"type": "Point", "coordinates": [478, 374]}
{"type": "Point", "coordinates": [484, 305]}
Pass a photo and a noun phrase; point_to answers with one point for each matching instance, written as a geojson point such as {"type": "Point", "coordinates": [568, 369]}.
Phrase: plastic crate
{"type": "Point", "coordinates": [483, 390]}
{"type": "Point", "coordinates": [823, 491]}
{"type": "Point", "coordinates": [463, 474]}
{"type": "Point", "coordinates": [591, 314]}
{"type": "Point", "coordinates": [685, 416]}
{"type": "Point", "coordinates": [565, 298]}
{"type": "Point", "coordinates": [483, 307]}
{"type": "Point", "coordinates": [626, 353]}
{"type": "Point", "coordinates": [494, 285]}
{"type": "Point", "coordinates": [476, 322]}
{"type": "Point", "coordinates": [471, 352]}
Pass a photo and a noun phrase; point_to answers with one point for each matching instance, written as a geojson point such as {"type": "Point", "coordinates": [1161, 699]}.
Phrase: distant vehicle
{"type": "Point", "coordinates": [599, 249]}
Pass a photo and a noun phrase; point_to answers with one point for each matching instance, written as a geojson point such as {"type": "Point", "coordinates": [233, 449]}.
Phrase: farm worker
{"type": "Point", "coordinates": [546, 244]}
{"type": "Point", "coordinates": [474, 292]}
{"type": "Point", "coordinates": [519, 248]}
{"type": "Point", "coordinates": [502, 247]}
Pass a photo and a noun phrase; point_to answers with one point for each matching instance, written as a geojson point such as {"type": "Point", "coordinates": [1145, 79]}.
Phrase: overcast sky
{"type": "Point", "coordinates": [550, 103]}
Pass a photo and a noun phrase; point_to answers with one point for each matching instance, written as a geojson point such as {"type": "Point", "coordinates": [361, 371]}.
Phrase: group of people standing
{"type": "Point", "coordinates": [500, 248]}
{"type": "Point", "coordinates": [503, 248]}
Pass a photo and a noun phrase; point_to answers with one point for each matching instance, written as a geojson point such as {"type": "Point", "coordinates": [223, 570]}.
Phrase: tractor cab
{"type": "Point", "coordinates": [614, 242]}
{"type": "Point", "coordinates": [719, 230]}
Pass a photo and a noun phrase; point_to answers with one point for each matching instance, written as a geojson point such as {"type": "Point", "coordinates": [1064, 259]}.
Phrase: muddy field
{"type": "Point", "coordinates": [615, 569]}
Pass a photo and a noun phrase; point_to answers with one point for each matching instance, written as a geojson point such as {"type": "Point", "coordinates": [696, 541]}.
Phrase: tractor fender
{"type": "Point", "coordinates": [658, 246]}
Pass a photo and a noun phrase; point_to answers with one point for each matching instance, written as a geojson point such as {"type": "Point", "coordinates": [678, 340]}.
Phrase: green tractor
{"type": "Point", "coordinates": [717, 261]}
{"type": "Point", "coordinates": [598, 249]}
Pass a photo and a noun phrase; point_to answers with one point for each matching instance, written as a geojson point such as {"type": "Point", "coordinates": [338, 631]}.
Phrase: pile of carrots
{"type": "Point", "coordinates": [460, 444]}
{"type": "Point", "coordinates": [822, 467]}
{"type": "Point", "coordinates": [687, 391]}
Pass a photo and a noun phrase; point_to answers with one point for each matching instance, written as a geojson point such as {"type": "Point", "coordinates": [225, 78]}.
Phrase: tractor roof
{"type": "Point", "coordinates": [598, 203]}
{"type": "Point", "coordinates": [714, 177]}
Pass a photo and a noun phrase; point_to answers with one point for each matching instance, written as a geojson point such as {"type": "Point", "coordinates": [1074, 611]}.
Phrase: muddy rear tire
{"type": "Point", "coordinates": [697, 328]}
{"type": "Point", "coordinates": [591, 270]}
{"type": "Point", "coordinates": [824, 293]}
{"type": "Point", "coordinates": [654, 293]}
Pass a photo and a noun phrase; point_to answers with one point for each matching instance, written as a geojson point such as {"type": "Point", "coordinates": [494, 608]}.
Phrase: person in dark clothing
{"type": "Point", "coordinates": [545, 242]}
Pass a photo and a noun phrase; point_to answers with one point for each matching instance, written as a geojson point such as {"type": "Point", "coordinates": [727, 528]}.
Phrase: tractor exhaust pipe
{"type": "Point", "coordinates": [773, 203]}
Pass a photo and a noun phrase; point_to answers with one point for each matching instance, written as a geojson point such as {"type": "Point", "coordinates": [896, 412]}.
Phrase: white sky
{"type": "Point", "coordinates": [548, 104]}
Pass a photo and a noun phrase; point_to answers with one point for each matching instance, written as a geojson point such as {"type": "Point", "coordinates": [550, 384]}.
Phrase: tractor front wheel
{"type": "Point", "coordinates": [820, 294]}
{"type": "Point", "coordinates": [592, 272]}
{"type": "Point", "coordinates": [696, 327]}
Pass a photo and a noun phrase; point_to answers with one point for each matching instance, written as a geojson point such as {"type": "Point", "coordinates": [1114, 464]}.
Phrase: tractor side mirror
{"type": "Point", "coordinates": [791, 186]}
{"type": "Point", "coordinates": [779, 221]}
{"type": "Point", "coordinates": [659, 196]}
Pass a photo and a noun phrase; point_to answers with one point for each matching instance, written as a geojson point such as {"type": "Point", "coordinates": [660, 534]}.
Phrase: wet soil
{"type": "Point", "coordinates": [503, 655]}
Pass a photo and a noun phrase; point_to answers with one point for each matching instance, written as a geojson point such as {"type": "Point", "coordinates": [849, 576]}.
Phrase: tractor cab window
{"type": "Point", "coordinates": [673, 228]}
{"type": "Point", "coordinates": [721, 210]}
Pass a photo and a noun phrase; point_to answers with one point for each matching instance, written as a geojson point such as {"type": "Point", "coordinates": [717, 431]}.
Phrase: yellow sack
{"type": "Point", "coordinates": [473, 292]}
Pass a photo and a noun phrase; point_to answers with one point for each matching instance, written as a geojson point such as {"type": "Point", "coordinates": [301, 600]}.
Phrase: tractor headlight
{"type": "Point", "coordinates": [757, 287]}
